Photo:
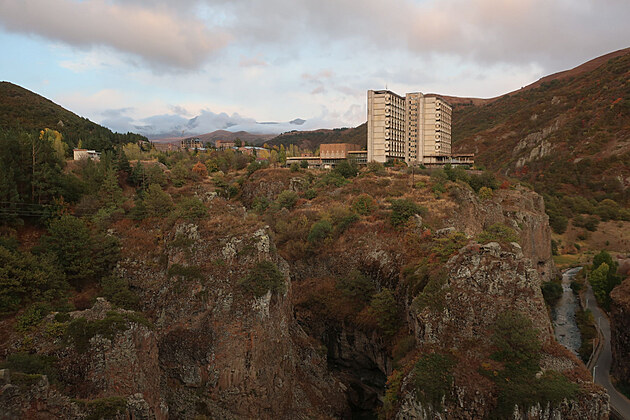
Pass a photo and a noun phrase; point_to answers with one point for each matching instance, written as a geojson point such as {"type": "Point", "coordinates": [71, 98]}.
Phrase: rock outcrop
{"type": "Point", "coordinates": [520, 209]}
{"type": "Point", "coordinates": [620, 331]}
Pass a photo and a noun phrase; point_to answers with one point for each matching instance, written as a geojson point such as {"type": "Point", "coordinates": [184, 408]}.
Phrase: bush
{"type": "Point", "coordinates": [105, 408]}
{"type": "Point", "coordinates": [319, 231]}
{"type": "Point", "coordinates": [364, 204]}
{"type": "Point", "coordinates": [80, 331]}
{"type": "Point", "coordinates": [402, 209]}
{"type": "Point", "coordinates": [385, 309]}
{"type": "Point", "coordinates": [485, 193]}
{"type": "Point", "coordinates": [357, 287]}
{"type": "Point", "coordinates": [32, 316]}
{"type": "Point", "coordinates": [310, 194]}
{"type": "Point", "coordinates": [552, 292]}
{"type": "Point", "coordinates": [433, 377]}
{"type": "Point", "coordinates": [263, 277]}
{"type": "Point", "coordinates": [304, 164]}
{"type": "Point", "coordinates": [116, 290]}
{"type": "Point", "coordinates": [295, 167]}
{"type": "Point", "coordinates": [346, 169]}
{"type": "Point", "coordinates": [192, 208]}
{"type": "Point", "coordinates": [518, 348]}
{"type": "Point", "coordinates": [497, 233]}
{"type": "Point", "coordinates": [33, 364]}
{"type": "Point", "coordinates": [260, 204]}
{"type": "Point", "coordinates": [287, 199]}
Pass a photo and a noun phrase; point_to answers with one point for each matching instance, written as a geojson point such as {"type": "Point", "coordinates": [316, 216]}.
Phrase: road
{"type": "Point", "coordinates": [602, 367]}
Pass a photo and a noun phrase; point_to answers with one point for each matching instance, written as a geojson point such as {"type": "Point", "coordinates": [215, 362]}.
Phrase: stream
{"type": "Point", "coordinates": [563, 314]}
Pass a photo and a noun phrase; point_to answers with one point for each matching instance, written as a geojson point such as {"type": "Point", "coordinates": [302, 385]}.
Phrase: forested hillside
{"type": "Point", "coordinates": [24, 111]}
{"type": "Point", "coordinates": [312, 139]}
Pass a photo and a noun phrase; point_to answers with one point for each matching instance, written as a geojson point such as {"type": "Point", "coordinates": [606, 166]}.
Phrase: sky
{"type": "Point", "coordinates": [167, 68]}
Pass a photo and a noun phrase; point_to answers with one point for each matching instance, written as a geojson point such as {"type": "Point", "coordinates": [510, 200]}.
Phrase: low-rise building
{"type": "Point", "coordinates": [337, 150]}
{"type": "Point", "coordinates": [80, 154]}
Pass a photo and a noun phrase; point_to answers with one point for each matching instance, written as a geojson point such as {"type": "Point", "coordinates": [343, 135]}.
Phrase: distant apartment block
{"type": "Point", "coordinates": [224, 144]}
{"type": "Point", "coordinates": [415, 128]}
{"type": "Point", "coordinates": [191, 143]}
{"type": "Point", "coordinates": [80, 154]}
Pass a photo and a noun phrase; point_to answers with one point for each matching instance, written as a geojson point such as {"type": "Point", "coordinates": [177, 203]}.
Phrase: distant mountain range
{"type": "Point", "coordinates": [255, 139]}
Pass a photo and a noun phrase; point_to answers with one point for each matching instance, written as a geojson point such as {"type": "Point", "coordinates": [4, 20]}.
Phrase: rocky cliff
{"type": "Point", "coordinates": [620, 331]}
{"type": "Point", "coordinates": [317, 308]}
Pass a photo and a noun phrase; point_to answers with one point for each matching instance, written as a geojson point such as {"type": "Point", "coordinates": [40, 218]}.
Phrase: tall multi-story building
{"type": "Point", "coordinates": [386, 126]}
{"type": "Point", "coordinates": [413, 128]}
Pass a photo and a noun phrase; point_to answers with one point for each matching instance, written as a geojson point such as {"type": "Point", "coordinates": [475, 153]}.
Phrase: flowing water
{"type": "Point", "coordinates": [563, 314]}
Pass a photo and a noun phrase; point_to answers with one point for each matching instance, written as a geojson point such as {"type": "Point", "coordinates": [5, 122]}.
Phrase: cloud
{"type": "Point", "coordinates": [252, 62]}
{"type": "Point", "coordinates": [154, 34]}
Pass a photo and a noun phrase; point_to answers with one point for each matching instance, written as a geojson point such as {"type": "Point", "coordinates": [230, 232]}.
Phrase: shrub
{"type": "Point", "coordinates": [192, 208]}
{"type": "Point", "coordinates": [295, 167]}
{"type": "Point", "coordinates": [319, 231]}
{"type": "Point", "coordinates": [116, 290]}
{"type": "Point", "coordinates": [552, 292]}
{"type": "Point", "coordinates": [33, 364]}
{"type": "Point", "coordinates": [80, 331]}
{"type": "Point", "coordinates": [385, 309]}
{"type": "Point", "coordinates": [498, 232]}
{"type": "Point", "coordinates": [376, 168]}
{"type": "Point", "coordinates": [332, 179]}
{"type": "Point", "coordinates": [304, 164]}
{"type": "Point", "coordinates": [200, 170]}
{"type": "Point", "coordinates": [364, 204]}
{"type": "Point", "coordinates": [104, 408]}
{"type": "Point", "coordinates": [433, 377]}
{"type": "Point", "coordinates": [346, 169]}
{"type": "Point", "coordinates": [357, 287]}
{"type": "Point", "coordinates": [392, 393]}
{"type": "Point", "coordinates": [310, 194]}
{"type": "Point", "coordinates": [402, 209]}
{"type": "Point", "coordinates": [263, 277]}
{"type": "Point", "coordinates": [260, 204]}
{"type": "Point", "coordinates": [518, 348]}
{"type": "Point", "coordinates": [485, 193]}
{"type": "Point", "coordinates": [287, 199]}
{"type": "Point", "coordinates": [433, 295]}
{"type": "Point", "coordinates": [32, 316]}
{"type": "Point", "coordinates": [187, 272]}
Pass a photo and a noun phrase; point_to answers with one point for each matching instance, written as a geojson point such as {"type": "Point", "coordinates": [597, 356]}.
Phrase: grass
{"type": "Point", "coordinates": [567, 260]}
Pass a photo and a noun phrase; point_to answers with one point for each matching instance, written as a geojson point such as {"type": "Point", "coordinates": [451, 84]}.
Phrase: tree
{"type": "Point", "coordinates": [200, 170]}
{"type": "Point", "coordinates": [599, 281]}
{"type": "Point", "coordinates": [70, 241]}
{"type": "Point", "coordinates": [157, 202]}
{"type": "Point", "coordinates": [346, 169]}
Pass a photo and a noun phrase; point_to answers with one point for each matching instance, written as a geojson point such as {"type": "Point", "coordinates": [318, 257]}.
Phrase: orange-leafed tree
{"type": "Point", "coordinates": [200, 170]}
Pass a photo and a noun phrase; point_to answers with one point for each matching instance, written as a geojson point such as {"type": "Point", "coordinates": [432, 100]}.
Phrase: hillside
{"type": "Point", "coordinates": [23, 110]}
{"type": "Point", "coordinates": [569, 136]}
{"type": "Point", "coordinates": [312, 139]}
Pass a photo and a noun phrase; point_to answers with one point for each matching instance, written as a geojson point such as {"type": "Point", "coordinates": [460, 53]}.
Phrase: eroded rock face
{"type": "Point", "coordinates": [223, 352]}
{"type": "Point", "coordinates": [620, 331]}
{"type": "Point", "coordinates": [482, 282]}
{"type": "Point", "coordinates": [520, 209]}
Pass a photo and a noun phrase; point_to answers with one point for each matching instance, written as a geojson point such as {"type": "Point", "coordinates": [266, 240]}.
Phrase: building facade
{"type": "Point", "coordinates": [412, 128]}
{"type": "Point", "coordinates": [337, 150]}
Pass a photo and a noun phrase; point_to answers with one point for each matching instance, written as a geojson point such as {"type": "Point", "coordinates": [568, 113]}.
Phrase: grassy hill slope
{"type": "Point", "coordinates": [569, 135]}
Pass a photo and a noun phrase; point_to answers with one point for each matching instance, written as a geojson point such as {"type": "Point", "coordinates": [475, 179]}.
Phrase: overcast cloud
{"type": "Point", "coordinates": [241, 61]}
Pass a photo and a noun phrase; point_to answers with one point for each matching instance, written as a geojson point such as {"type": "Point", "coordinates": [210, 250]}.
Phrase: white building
{"type": "Point", "coordinates": [413, 128]}
{"type": "Point", "coordinates": [80, 154]}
